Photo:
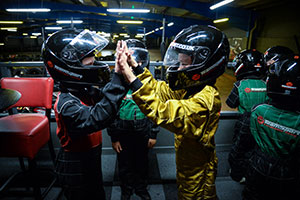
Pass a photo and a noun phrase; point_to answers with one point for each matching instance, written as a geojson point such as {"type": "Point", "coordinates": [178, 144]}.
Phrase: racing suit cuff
{"type": "Point", "coordinates": [119, 79]}
{"type": "Point", "coordinates": [135, 85]}
{"type": "Point", "coordinates": [138, 70]}
{"type": "Point", "coordinates": [153, 135]}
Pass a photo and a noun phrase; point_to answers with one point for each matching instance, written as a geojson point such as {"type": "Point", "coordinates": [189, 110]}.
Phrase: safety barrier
{"type": "Point", "coordinates": [165, 140]}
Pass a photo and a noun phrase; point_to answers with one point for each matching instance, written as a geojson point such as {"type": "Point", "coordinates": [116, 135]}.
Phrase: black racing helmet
{"type": "Point", "coordinates": [140, 52]}
{"type": "Point", "coordinates": [276, 53]}
{"type": "Point", "coordinates": [64, 51]}
{"type": "Point", "coordinates": [284, 81]}
{"type": "Point", "coordinates": [208, 52]}
{"type": "Point", "coordinates": [249, 63]}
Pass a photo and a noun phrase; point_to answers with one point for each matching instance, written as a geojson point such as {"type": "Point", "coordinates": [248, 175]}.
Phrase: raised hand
{"type": "Point", "coordinates": [131, 61]}
{"type": "Point", "coordinates": [122, 60]}
{"type": "Point", "coordinates": [118, 50]}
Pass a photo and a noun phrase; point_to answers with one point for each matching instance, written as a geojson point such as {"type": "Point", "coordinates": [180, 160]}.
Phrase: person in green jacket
{"type": "Point", "coordinates": [274, 168]}
{"type": "Point", "coordinates": [132, 134]}
{"type": "Point", "coordinates": [248, 90]}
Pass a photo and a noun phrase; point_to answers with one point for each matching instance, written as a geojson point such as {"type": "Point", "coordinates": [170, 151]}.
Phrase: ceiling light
{"type": "Point", "coordinates": [36, 34]}
{"type": "Point", "coordinates": [149, 32]}
{"type": "Point", "coordinates": [28, 10]}
{"type": "Point", "coordinates": [170, 24]}
{"type": "Point", "coordinates": [221, 20]}
{"type": "Point", "coordinates": [1, 44]}
{"type": "Point", "coordinates": [124, 10]}
{"type": "Point", "coordinates": [103, 34]}
{"type": "Point", "coordinates": [123, 34]}
{"type": "Point", "coordinates": [8, 28]}
{"type": "Point", "coordinates": [139, 35]}
{"type": "Point", "coordinates": [53, 28]}
{"type": "Point", "coordinates": [11, 22]}
{"type": "Point", "coordinates": [129, 22]}
{"type": "Point", "coordinates": [69, 21]}
{"type": "Point", "coordinates": [222, 3]}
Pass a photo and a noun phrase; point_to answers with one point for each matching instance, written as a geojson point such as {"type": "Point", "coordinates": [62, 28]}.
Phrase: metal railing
{"type": "Point", "coordinates": [156, 68]}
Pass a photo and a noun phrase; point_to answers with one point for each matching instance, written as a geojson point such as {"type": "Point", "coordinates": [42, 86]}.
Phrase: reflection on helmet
{"type": "Point", "coordinates": [276, 53]}
{"type": "Point", "coordinates": [64, 51]}
{"type": "Point", "coordinates": [284, 80]}
{"type": "Point", "coordinates": [208, 51]}
{"type": "Point", "coordinates": [140, 53]}
{"type": "Point", "coordinates": [249, 63]}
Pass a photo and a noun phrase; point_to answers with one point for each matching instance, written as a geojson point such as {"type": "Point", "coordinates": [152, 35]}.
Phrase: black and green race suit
{"type": "Point", "coordinates": [274, 166]}
{"type": "Point", "coordinates": [245, 94]}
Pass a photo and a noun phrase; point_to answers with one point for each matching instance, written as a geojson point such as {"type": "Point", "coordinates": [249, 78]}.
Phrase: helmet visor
{"type": "Point", "coordinates": [82, 45]}
{"type": "Point", "coordinates": [185, 56]}
{"type": "Point", "coordinates": [141, 56]}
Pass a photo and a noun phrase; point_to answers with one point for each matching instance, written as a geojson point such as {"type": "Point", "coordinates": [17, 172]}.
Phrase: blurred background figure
{"type": "Point", "coordinates": [248, 90]}
{"type": "Point", "coordinates": [274, 168]}
{"type": "Point", "coordinates": [132, 134]}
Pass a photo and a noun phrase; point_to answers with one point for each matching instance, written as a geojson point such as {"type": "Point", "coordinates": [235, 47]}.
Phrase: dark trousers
{"type": "Point", "coordinates": [80, 174]}
{"type": "Point", "coordinates": [133, 162]}
{"type": "Point", "coordinates": [242, 147]}
{"type": "Point", "coordinates": [271, 178]}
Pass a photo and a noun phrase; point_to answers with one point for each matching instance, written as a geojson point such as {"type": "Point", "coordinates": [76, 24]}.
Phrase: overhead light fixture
{"type": "Point", "coordinates": [150, 32]}
{"type": "Point", "coordinates": [222, 3]}
{"type": "Point", "coordinates": [124, 35]}
{"type": "Point", "coordinates": [8, 28]}
{"type": "Point", "coordinates": [129, 22]}
{"type": "Point", "coordinates": [36, 34]}
{"type": "Point", "coordinates": [127, 10]}
{"type": "Point", "coordinates": [1, 44]}
{"type": "Point", "coordinates": [221, 20]}
{"type": "Point", "coordinates": [170, 24]}
{"type": "Point", "coordinates": [12, 30]}
{"type": "Point", "coordinates": [69, 21]}
{"type": "Point", "coordinates": [139, 35]}
{"type": "Point", "coordinates": [28, 10]}
{"type": "Point", "coordinates": [53, 28]}
{"type": "Point", "coordinates": [103, 34]}
{"type": "Point", "coordinates": [11, 22]}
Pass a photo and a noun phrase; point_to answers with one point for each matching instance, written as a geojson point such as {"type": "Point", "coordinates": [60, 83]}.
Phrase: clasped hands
{"type": "Point", "coordinates": [125, 62]}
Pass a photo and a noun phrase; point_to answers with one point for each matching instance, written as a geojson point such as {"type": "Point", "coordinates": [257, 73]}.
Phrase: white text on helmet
{"type": "Point", "coordinates": [183, 46]}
